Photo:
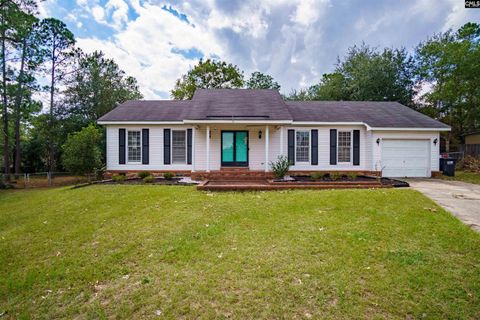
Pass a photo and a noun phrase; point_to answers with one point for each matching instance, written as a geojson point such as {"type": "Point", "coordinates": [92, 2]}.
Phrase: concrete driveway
{"type": "Point", "coordinates": [460, 198]}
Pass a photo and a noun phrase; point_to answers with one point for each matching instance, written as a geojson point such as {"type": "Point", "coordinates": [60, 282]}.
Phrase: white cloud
{"type": "Point", "coordinates": [308, 11]}
{"type": "Point", "coordinates": [98, 14]}
{"type": "Point", "coordinates": [120, 12]}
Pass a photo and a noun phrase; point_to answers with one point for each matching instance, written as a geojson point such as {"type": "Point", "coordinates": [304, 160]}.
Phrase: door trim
{"type": "Point", "coordinates": [234, 163]}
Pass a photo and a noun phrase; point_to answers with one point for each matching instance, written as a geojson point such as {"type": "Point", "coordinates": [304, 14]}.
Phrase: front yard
{"type": "Point", "coordinates": [127, 251]}
{"type": "Point", "coordinates": [465, 176]}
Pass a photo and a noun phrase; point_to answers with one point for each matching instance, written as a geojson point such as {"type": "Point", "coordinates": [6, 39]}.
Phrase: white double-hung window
{"type": "Point", "coordinates": [134, 146]}
{"type": "Point", "coordinates": [302, 146]}
{"type": "Point", "coordinates": [344, 146]}
{"type": "Point", "coordinates": [179, 146]}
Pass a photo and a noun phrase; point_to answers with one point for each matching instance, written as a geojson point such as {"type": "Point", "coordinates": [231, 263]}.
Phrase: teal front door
{"type": "Point", "coordinates": [235, 148]}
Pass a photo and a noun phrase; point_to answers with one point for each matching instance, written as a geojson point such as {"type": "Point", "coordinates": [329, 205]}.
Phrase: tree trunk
{"type": "Point", "coordinates": [51, 147]}
{"type": "Point", "coordinates": [18, 106]}
{"type": "Point", "coordinates": [6, 147]}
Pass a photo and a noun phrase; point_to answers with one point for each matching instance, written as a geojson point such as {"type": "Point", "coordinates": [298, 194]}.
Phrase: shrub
{"type": "Point", "coordinates": [280, 167]}
{"type": "Point", "coordinates": [118, 178]}
{"type": "Point", "coordinates": [317, 175]}
{"type": "Point", "coordinates": [149, 179]}
{"type": "Point", "coordinates": [143, 174]}
{"type": "Point", "coordinates": [352, 176]}
{"type": "Point", "coordinates": [469, 163]}
{"type": "Point", "coordinates": [100, 172]}
{"type": "Point", "coordinates": [168, 175]}
{"type": "Point", "coordinates": [336, 175]}
{"type": "Point", "coordinates": [81, 152]}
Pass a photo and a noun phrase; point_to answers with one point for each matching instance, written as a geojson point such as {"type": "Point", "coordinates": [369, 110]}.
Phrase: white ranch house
{"type": "Point", "coordinates": [224, 128]}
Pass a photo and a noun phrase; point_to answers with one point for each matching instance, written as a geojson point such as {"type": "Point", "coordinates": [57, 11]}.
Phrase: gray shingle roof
{"type": "Point", "coordinates": [239, 104]}
{"type": "Point", "coordinates": [374, 113]}
{"type": "Point", "coordinates": [249, 104]}
{"type": "Point", "coordinates": [149, 110]}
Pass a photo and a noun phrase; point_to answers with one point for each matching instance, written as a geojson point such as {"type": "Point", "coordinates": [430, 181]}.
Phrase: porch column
{"type": "Point", "coordinates": [208, 148]}
{"type": "Point", "coordinates": [267, 136]}
{"type": "Point", "coordinates": [281, 141]}
{"type": "Point", "coordinates": [193, 148]}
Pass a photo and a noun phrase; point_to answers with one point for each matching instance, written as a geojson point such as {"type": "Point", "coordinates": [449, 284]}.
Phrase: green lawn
{"type": "Point", "coordinates": [464, 176]}
{"type": "Point", "coordinates": [138, 251]}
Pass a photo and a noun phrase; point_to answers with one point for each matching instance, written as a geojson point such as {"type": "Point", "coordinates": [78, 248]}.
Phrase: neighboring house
{"type": "Point", "coordinates": [472, 144]}
{"type": "Point", "coordinates": [221, 128]}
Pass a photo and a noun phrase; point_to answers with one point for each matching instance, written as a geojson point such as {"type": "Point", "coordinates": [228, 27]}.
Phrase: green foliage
{"type": "Point", "coordinates": [366, 74]}
{"type": "Point", "coordinates": [120, 178]}
{"type": "Point", "coordinates": [335, 175]}
{"type": "Point", "coordinates": [317, 175]}
{"type": "Point", "coordinates": [97, 86]}
{"type": "Point", "coordinates": [143, 174]}
{"type": "Point", "coordinates": [259, 80]}
{"type": "Point", "coordinates": [81, 151]}
{"type": "Point", "coordinates": [149, 179]}
{"type": "Point", "coordinates": [168, 175]}
{"type": "Point", "coordinates": [208, 74]}
{"type": "Point", "coordinates": [280, 167]}
{"type": "Point", "coordinates": [449, 62]}
{"type": "Point", "coordinates": [100, 172]}
{"type": "Point", "coordinates": [352, 175]}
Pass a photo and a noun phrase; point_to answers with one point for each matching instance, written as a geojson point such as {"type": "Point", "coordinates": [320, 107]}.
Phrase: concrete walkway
{"type": "Point", "coordinates": [460, 198]}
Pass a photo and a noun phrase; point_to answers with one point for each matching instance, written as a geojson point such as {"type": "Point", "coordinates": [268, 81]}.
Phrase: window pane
{"type": "Point", "coordinates": [344, 146]}
{"type": "Point", "coordinates": [179, 151]}
{"type": "Point", "coordinates": [134, 146]}
{"type": "Point", "coordinates": [303, 146]}
{"type": "Point", "coordinates": [227, 146]}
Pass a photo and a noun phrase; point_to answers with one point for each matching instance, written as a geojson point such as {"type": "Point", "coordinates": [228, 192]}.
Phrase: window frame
{"type": "Point", "coordinates": [171, 146]}
{"type": "Point", "coordinates": [351, 146]}
{"type": "Point", "coordinates": [308, 131]}
{"type": "Point", "coordinates": [127, 145]}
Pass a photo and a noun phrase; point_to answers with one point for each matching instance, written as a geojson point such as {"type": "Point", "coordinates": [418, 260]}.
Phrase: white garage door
{"type": "Point", "coordinates": [406, 158]}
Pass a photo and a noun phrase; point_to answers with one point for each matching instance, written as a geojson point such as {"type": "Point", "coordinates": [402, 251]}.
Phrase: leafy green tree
{"type": "Point", "coordinates": [376, 76]}
{"type": "Point", "coordinates": [259, 80]}
{"type": "Point", "coordinates": [332, 87]}
{"type": "Point", "coordinates": [97, 86]}
{"type": "Point", "coordinates": [57, 43]}
{"type": "Point", "coordinates": [81, 154]}
{"type": "Point", "coordinates": [450, 63]}
{"type": "Point", "coordinates": [208, 74]}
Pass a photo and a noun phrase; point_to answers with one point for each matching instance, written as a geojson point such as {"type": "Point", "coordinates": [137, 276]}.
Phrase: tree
{"type": "Point", "coordinates": [81, 154]}
{"type": "Point", "coordinates": [449, 62]}
{"type": "Point", "coordinates": [208, 74]}
{"type": "Point", "coordinates": [57, 43]}
{"type": "Point", "coordinates": [97, 86]}
{"type": "Point", "coordinates": [377, 76]}
{"type": "Point", "coordinates": [259, 80]}
{"type": "Point", "coordinates": [332, 87]}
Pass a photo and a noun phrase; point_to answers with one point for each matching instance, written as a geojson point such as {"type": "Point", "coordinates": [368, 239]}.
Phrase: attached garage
{"type": "Point", "coordinates": [406, 158]}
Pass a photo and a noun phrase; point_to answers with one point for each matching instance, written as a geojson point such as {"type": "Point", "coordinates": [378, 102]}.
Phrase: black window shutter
{"type": "Point", "coordinates": [189, 146]}
{"type": "Point", "coordinates": [166, 146]}
{"type": "Point", "coordinates": [333, 146]}
{"type": "Point", "coordinates": [314, 134]}
{"type": "Point", "coordinates": [291, 146]}
{"type": "Point", "coordinates": [121, 146]}
{"type": "Point", "coordinates": [356, 147]}
{"type": "Point", "coordinates": [145, 146]}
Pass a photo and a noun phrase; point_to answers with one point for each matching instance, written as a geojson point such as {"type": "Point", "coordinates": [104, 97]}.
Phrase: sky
{"type": "Point", "coordinates": [295, 41]}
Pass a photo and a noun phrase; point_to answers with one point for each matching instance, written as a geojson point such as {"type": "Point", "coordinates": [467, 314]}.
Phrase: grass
{"type": "Point", "coordinates": [465, 176]}
{"type": "Point", "coordinates": [120, 251]}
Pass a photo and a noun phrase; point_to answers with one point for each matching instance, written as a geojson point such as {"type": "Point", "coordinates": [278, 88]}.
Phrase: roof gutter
{"type": "Point", "coordinates": [238, 121]}
{"type": "Point", "coordinates": [139, 122]}
{"type": "Point", "coordinates": [410, 129]}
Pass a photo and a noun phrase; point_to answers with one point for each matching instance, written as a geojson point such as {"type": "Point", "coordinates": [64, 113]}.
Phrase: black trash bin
{"type": "Point", "coordinates": [447, 165]}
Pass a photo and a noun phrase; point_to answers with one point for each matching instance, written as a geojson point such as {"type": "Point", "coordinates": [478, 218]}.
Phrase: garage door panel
{"type": "Point", "coordinates": [405, 158]}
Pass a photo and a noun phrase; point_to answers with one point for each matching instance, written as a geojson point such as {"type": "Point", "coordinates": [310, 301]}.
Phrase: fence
{"type": "Point", "coordinates": [471, 149]}
{"type": "Point", "coordinates": [43, 179]}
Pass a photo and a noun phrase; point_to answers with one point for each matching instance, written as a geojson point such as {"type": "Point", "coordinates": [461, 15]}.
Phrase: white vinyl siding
{"type": "Point", "coordinates": [179, 146]}
{"type": "Point", "coordinates": [302, 146]}
{"type": "Point", "coordinates": [344, 146]}
{"type": "Point", "coordinates": [134, 146]}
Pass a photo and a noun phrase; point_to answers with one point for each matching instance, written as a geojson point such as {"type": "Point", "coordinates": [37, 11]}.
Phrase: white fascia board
{"type": "Point", "coordinates": [140, 122]}
{"type": "Point", "coordinates": [238, 121]}
{"type": "Point", "coordinates": [317, 123]}
{"type": "Point", "coordinates": [410, 129]}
